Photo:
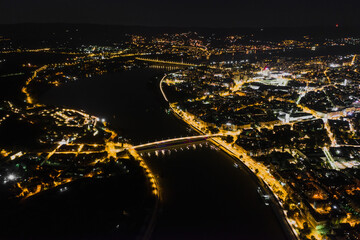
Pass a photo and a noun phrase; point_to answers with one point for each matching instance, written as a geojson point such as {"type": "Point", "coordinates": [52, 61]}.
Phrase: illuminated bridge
{"type": "Point", "coordinates": [168, 62]}
{"type": "Point", "coordinates": [173, 143]}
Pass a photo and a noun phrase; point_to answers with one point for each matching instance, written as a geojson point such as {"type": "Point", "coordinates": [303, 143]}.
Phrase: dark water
{"type": "Point", "coordinates": [204, 196]}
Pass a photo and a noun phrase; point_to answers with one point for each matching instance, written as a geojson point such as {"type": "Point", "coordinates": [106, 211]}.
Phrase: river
{"type": "Point", "coordinates": [204, 195]}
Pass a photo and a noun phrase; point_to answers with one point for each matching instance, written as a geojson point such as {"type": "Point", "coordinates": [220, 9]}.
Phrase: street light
{"type": "Point", "coordinates": [11, 177]}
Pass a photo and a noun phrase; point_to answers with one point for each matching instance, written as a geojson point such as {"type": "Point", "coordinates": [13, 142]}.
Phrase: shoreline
{"type": "Point", "coordinates": [275, 205]}
{"type": "Point", "coordinates": [149, 224]}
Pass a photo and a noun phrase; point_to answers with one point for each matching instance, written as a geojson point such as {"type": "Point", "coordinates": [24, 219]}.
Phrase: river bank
{"type": "Point", "coordinates": [204, 195]}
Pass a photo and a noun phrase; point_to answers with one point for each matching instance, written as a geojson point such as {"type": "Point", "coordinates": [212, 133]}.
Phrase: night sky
{"type": "Point", "coordinates": [210, 13]}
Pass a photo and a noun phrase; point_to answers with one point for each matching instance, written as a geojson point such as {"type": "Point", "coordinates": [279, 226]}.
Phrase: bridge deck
{"type": "Point", "coordinates": [173, 142]}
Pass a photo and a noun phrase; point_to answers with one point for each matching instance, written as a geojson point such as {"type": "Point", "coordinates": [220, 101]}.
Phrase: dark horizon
{"type": "Point", "coordinates": [355, 26]}
{"type": "Point", "coordinates": [209, 14]}
{"type": "Point", "coordinates": [36, 31]}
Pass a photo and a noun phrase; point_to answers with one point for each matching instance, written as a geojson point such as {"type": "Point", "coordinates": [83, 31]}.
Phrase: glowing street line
{"type": "Point", "coordinates": [161, 89]}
